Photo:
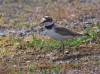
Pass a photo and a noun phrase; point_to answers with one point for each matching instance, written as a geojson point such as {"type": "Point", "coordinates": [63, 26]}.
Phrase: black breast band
{"type": "Point", "coordinates": [50, 26]}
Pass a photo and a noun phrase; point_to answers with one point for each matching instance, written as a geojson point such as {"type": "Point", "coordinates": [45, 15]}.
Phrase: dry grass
{"type": "Point", "coordinates": [14, 13]}
{"type": "Point", "coordinates": [39, 55]}
{"type": "Point", "coordinates": [21, 54]}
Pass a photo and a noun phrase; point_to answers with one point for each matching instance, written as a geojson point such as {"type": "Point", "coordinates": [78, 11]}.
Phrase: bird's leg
{"type": "Point", "coordinates": [62, 47]}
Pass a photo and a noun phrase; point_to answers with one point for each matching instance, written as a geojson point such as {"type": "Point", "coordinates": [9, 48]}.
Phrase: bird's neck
{"type": "Point", "coordinates": [50, 26]}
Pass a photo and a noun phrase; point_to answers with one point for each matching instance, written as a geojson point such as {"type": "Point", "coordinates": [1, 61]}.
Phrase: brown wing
{"type": "Point", "coordinates": [65, 32]}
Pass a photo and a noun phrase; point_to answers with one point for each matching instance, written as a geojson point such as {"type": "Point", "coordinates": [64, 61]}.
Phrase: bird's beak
{"type": "Point", "coordinates": [41, 24]}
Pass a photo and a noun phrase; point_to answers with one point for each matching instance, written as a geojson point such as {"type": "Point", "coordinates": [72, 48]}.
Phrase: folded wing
{"type": "Point", "coordinates": [66, 32]}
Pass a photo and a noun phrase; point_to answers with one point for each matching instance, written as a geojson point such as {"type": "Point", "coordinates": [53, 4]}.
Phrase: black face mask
{"type": "Point", "coordinates": [50, 26]}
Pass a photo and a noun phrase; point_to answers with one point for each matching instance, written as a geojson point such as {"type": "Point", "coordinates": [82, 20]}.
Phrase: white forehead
{"type": "Point", "coordinates": [43, 19]}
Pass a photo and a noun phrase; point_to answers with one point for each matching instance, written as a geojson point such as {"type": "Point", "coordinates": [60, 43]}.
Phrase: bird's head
{"type": "Point", "coordinates": [46, 21]}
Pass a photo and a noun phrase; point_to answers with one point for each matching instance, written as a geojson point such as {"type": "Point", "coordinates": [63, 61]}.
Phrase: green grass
{"type": "Point", "coordinates": [76, 41]}
{"type": "Point", "coordinates": [75, 65]}
{"type": "Point", "coordinates": [56, 68]}
{"type": "Point", "coordinates": [19, 72]}
{"type": "Point", "coordinates": [43, 71]}
{"type": "Point", "coordinates": [45, 44]}
{"type": "Point", "coordinates": [20, 48]}
{"type": "Point", "coordinates": [31, 68]}
{"type": "Point", "coordinates": [19, 24]}
{"type": "Point", "coordinates": [98, 27]}
{"type": "Point", "coordinates": [90, 31]}
{"type": "Point", "coordinates": [21, 51]}
{"type": "Point", "coordinates": [50, 43]}
{"type": "Point", "coordinates": [27, 8]}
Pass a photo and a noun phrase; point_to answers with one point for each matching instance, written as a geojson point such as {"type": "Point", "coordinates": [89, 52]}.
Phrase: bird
{"type": "Point", "coordinates": [59, 33]}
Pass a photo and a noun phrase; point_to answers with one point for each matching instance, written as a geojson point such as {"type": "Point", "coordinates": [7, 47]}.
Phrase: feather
{"type": "Point", "coordinates": [66, 32]}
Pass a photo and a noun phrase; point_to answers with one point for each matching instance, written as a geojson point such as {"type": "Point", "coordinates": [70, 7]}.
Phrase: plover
{"type": "Point", "coordinates": [50, 28]}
